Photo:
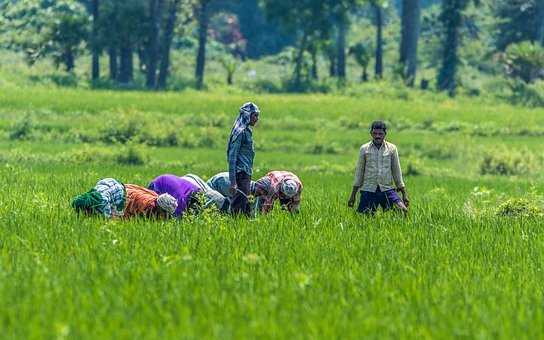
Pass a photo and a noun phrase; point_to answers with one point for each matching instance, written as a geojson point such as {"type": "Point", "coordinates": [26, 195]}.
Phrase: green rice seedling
{"type": "Point", "coordinates": [519, 207]}
{"type": "Point", "coordinates": [451, 268]}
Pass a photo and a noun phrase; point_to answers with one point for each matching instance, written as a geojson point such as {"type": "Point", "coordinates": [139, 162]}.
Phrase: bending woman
{"type": "Point", "coordinates": [107, 198]}
{"type": "Point", "coordinates": [212, 196]}
{"type": "Point", "coordinates": [111, 198]}
{"type": "Point", "coordinates": [145, 202]}
{"type": "Point", "coordinates": [181, 189]}
{"type": "Point", "coordinates": [283, 186]}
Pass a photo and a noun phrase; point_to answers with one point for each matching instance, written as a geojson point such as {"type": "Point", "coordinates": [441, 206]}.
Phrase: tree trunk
{"type": "Point", "coordinates": [452, 18]}
{"type": "Point", "coordinates": [411, 10]}
{"type": "Point", "coordinates": [332, 65]}
{"type": "Point", "coordinates": [153, 47]}
{"type": "Point", "coordinates": [112, 52]}
{"type": "Point", "coordinates": [203, 19]}
{"type": "Point", "coordinates": [126, 67]}
{"type": "Point", "coordinates": [299, 60]}
{"type": "Point", "coordinates": [95, 69]}
{"type": "Point", "coordinates": [378, 69]}
{"type": "Point", "coordinates": [166, 44]}
{"type": "Point", "coordinates": [141, 52]}
{"type": "Point", "coordinates": [341, 49]}
{"type": "Point", "coordinates": [69, 60]}
{"type": "Point", "coordinates": [313, 71]}
{"type": "Point", "coordinates": [229, 77]}
{"type": "Point", "coordinates": [424, 84]}
{"type": "Point", "coordinates": [540, 23]}
{"type": "Point", "coordinates": [364, 76]}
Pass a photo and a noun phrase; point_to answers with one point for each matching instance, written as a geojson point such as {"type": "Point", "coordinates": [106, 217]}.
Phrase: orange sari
{"type": "Point", "coordinates": [140, 201]}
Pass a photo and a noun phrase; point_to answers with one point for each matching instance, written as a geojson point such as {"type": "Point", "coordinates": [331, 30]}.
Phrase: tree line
{"type": "Point", "coordinates": [123, 33]}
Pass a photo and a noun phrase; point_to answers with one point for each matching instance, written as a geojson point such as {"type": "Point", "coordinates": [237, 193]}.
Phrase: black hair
{"type": "Point", "coordinates": [378, 124]}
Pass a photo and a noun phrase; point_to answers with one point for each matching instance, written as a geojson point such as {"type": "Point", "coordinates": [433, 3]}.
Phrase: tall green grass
{"type": "Point", "coordinates": [453, 268]}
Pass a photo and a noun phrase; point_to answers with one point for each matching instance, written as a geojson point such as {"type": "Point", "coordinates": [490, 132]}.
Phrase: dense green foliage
{"type": "Point", "coordinates": [46, 28]}
{"type": "Point", "coordinates": [525, 61]}
{"type": "Point", "coordinates": [452, 45]}
{"type": "Point", "coordinates": [519, 20]}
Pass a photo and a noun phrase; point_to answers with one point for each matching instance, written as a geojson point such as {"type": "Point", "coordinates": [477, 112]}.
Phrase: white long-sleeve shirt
{"type": "Point", "coordinates": [378, 167]}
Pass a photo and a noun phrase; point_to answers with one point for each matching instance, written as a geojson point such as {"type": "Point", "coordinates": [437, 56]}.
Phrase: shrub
{"type": "Point", "coordinates": [132, 155]}
{"type": "Point", "coordinates": [208, 138]}
{"type": "Point", "coordinates": [218, 121]}
{"type": "Point", "coordinates": [319, 148]}
{"type": "Point", "coordinates": [530, 132]}
{"type": "Point", "coordinates": [180, 83]}
{"type": "Point", "coordinates": [427, 124]}
{"type": "Point", "coordinates": [524, 61]}
{"type": "Point", "coordinates": [328, 168]}
{"type": "Point", "coordinates": [412, 165]}
{"type": "Point", "coordinates": [159, 139]}
{"type": "Point", "coordinates": [22, 129]}
{"type": "Point", "coordinates": [401, 124]}
{"type": "Point", "coordinates": [351, 124]}
{"type": "Point", "coordinates": [103, 83]}
{"type": "Point", "coordinates": [506, 163]}
{"type": "Point", "coordinates": [122, 132]}
{"type": "Point", "coordinates": [65, 80]}
{"type": "Point", "coordinates": [412, 169]}
{"type": "Point", "coordinates": [62, 80]}
{"type": "Point", "coordinates": [262, 86]}
{"type": "Point", "coordinates": [492, 165]}
{"type": "Point", "coordinates": [403, 94]}
{"type": "Point", "coordinates": [170, 139]}
{"type": "Point", "coordinates": [438, 152]}
{"type": "Point", "coordinates": [202, 120]}
{"type": "Point", "coordinates": [451, 127]}
{"type": "Point", "coordinates": [86, 154]}
{"type": "Point", "coordinates": [473, 91]}
{"type": "Point", "coordinates": [486, 130]}
{"type": "Point", "coordinates": [206, 141]}
{"type": "Point", "coordinates": [519, 207]}
{"type": "Point", "coordinates": [307, 86]}
{"type": "Point", "coordinates": [362, 53]}
{"type": "Point", "coordinates": [531, 95]}
{"type": "Point", "coordinates": [188, 140]}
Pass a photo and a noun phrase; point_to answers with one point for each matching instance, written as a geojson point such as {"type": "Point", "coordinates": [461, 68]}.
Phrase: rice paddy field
{"type": "Point", "coordinates": [465, 263]}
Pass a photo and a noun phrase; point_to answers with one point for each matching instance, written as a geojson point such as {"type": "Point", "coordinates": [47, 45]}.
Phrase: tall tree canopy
{"type": "Point", "coordinates": [43, 28]}
{"type": "Point", "coordinates": [519, 20]}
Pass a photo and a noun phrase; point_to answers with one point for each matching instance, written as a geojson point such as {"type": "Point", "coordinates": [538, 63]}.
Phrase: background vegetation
{"type": "Point", "coordinates": [489, 48]}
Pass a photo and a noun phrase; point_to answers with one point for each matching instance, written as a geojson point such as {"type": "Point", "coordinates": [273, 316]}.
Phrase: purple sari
{"type": "Point", "coordinates": [178, 187]}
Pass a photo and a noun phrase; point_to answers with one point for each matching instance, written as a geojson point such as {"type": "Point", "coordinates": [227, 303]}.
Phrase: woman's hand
{"type": "Point", "coordinates": [351, 201]}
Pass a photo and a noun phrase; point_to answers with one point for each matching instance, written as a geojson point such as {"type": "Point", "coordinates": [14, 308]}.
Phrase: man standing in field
{"type": "Point", "coordinates": [377, 168]}
{"type": "Point", "coordinates": [240, 155]}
